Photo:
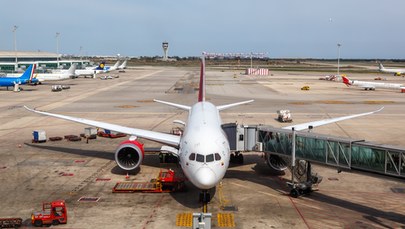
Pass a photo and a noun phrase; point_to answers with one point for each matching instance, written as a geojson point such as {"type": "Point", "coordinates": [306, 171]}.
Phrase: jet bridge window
{"type": "Point", "coordinates": [192, 157]}
{"type": "Point", "coordinates": [200, 158]}
{"type": "Point", "coordinates": [217, 157]}
{"type": "Point", "coordinates": [209, 158]}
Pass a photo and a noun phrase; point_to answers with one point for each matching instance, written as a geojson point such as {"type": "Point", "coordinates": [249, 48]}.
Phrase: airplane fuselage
{"type": "Point", "coordinates": [376, 85]}
{"type": "Point", "coordinates": [52, 76]}
{"type": "Point", "coordinates": [204, 148]}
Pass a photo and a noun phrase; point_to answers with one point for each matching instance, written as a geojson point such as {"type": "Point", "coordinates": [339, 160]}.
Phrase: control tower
{"type": "Point", "coordinates": [165, 46]}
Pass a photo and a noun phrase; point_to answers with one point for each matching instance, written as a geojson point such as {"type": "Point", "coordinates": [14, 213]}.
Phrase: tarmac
{"type": "Point", "coordinates": [32, 173]}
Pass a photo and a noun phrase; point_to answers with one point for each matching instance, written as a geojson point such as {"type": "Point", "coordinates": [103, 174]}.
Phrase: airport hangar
{"type": "Point", "coordinates": [8, 60]}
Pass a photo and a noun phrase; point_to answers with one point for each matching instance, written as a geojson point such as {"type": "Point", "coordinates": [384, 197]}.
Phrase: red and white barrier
{"type": "Point", "coordinates": [257, 71]}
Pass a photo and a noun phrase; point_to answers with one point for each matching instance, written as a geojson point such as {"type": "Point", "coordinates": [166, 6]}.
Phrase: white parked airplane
{"type": "Point", "coordinates": [396, 71]}
{"type": "Point", "coordinates": [62, 75]}
{"type": "Point", "coordinates": [203, 148]}
{"type": "Point", "coordinates": [371, 85]}
{"type": "Point", "coordinates": [103, 68]}
{"type": "Point", "coordinates": [92, 71]}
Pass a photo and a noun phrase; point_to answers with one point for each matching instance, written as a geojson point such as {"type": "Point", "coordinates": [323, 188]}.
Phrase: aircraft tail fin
{"type": "Point", "coordinates": [201, 91]}
{"type": "Point", "coordinates": [123, 65]}
{"type": "Point", "coordinates": [116, 64]}
{"type": "Point", "coordinates": [346, 81]}
{"type": "Point", "coordinates": [72, 69]}
{"type": "Point", "coordinates": [29, 73]}
{"type": "Point", "coordinates": [100, 66]}
{"type": "Point", "coordinates": [380, 66]}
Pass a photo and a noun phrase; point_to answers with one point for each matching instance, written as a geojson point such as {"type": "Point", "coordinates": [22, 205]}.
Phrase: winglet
{"type": "Point", "coordinates": [201, 92]}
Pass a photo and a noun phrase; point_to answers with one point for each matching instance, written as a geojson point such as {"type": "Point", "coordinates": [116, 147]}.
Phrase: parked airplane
{"type": "Point", "coordinates": [203, 148]}
{"type": "Point", "coordinates": [62, 75]}
{"type": "Point", "coordinates": [371, 85]}
{"type": "Point", "coordinates": [123, 65]}
{"type": "Point", "coordinates": [92, 71]}
{"type": "Point", "coordinates": [25, 78]}
{"type": "Point", "coordinates": [103, 68]}
{"type": "Point", "coordinates": [396, 71]}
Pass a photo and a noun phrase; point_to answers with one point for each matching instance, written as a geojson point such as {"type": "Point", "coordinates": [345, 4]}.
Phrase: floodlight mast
{"type": "Point", "coordinates": [15, 46]}
{"type": "Point", "coordinates": [57, 48]}
{"type": "Point", "coordinates": [338, 60]}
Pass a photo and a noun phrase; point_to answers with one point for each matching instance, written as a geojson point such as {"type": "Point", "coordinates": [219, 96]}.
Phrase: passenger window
{"type": "Point", "coordinates": [192, 157]}
{"type": "Point", "coordinates": [200, 158]}
{"type": "Point", "coordinates": [240, 137]}
{"type": "Point", "coordinates": [217, 157]}
{"type": "Point", "coordinates": [209, 158]}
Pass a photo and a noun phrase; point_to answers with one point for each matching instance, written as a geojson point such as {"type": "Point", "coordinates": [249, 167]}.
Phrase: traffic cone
{"type": "Point", "coordinates": [127, 176]}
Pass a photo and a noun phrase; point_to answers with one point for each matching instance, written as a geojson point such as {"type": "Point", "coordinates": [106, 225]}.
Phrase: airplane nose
{"type": "Point", "coordinates": [205, 178]}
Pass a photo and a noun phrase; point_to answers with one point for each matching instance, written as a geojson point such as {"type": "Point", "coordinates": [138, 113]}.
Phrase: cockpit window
{"type": "Point", "coordinates": [217, 157]}
{"type": "Point", "coordinates": [192, 157]}
{"type": "Point", "coordinates": [209, 158]}
{"type": "Point", "coordinates": [200, 158]}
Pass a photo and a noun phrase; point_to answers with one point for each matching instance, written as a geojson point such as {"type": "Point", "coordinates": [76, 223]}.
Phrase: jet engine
{"type": "Point", "coordinates": [276, 162]}
{"type": "Point", "coordinates": [129, 155]}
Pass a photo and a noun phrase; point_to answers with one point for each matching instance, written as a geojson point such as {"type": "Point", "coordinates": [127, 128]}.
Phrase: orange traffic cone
{"type": "Point", "coordinates": [127, 176]}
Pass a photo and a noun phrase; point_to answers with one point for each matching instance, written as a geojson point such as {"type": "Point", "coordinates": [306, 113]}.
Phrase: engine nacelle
{"type": "Point", "coordinates": [129, 155]}
{"type": "Point", "coordinates": [276, 162]}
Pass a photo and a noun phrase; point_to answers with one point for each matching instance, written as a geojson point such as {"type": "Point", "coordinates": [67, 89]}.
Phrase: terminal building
{"type": "Point", "coordinates": [12, 60]}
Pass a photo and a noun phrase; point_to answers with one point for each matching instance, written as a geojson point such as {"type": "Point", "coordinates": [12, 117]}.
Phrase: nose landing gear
{"type": "Point", "coordinates": [205, 198]}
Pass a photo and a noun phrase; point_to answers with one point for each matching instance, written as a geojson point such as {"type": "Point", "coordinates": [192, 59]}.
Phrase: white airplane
{"type": "Point", "coordinates": [103, 68]}
{"type": "Point", "coordinates": [123, 65]}
{"type": "Point", "coordinates": [396, 71]}
{"type": "Point", "coordinates": [203, 148]}
{"type": "Point", "coordinates": [371, 85]}
{"type": "Point", "coordinates": [62, 75]}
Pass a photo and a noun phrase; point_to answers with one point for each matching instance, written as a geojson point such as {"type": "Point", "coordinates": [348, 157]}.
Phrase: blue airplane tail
{"type": "Point", "coordinates": [29, 73]}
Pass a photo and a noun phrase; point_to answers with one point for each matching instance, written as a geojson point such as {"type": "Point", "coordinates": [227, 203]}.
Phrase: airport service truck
{"type": "Point", "coordinates": [52, 213]}
{"type": "Point", "coordinates": [284, 116]}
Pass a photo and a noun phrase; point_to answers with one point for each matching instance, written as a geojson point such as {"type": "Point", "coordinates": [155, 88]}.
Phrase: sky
{"type": "Point", "coordinates": [371, 29]}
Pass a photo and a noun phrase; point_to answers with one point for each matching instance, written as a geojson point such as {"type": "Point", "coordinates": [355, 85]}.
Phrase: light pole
{"type": "Point", "coordinates": [57, 49]}
{"type": "Point", "coordinates": [338, 60]}
{"type": "Point", "coordinates": [81, 48]}
{"type": "Point", "coordinates": [15, 46]}
{"type": "Point", "coordinates": [251, 59]}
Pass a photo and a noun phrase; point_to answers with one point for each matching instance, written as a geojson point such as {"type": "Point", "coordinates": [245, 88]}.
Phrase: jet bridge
{"type": "Point", "coordinates": [342, 153]}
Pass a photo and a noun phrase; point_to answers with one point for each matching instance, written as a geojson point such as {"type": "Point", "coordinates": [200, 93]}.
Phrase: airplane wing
{"type": "Point", "coordinates": [307, 125]}
{"type": "Point", "coordinates": [169, 139]}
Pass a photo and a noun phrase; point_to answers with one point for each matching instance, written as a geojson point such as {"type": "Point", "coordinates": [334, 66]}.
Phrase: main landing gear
{"type": "Point", "coordinates": [236, 158]}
